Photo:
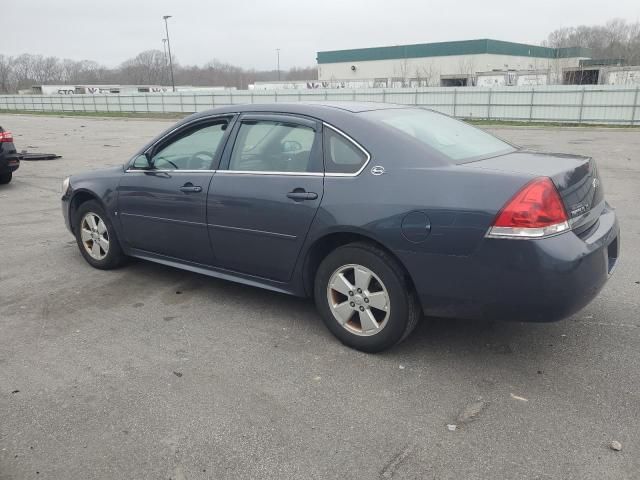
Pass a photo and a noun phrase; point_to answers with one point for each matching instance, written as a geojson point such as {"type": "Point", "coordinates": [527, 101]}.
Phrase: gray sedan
{"type": "Point", "coordinates": [381, 213]}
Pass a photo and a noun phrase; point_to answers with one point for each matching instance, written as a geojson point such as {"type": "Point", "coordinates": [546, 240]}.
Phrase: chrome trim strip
{"type": "Point", "coordinates": [340, 132]}
{"type": "Point", "coordinates": [140, 170]}
{"type": "Point", "coordinates": [251, 230]}
{"type": "Point", "coordinates": [260, 172]}
{"type": "Point", "coordinates": [528, 233]}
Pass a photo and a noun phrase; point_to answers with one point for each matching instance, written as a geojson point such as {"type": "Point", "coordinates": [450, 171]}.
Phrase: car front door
{"type": "Point", "coordinates": [265, 195]}
{"type": "Point", "coordinates": [162, 195]}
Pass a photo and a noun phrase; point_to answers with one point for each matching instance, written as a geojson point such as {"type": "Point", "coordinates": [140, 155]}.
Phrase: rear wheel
{"type": "Point", "coordinates": [6, 178]}
{"type": "Point", "coordinates": [96, 237]}
{"type": "Point", "coordinates": [364, 297]}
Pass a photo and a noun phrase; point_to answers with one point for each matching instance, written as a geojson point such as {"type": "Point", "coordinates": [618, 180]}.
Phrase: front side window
{"type": "Point", "coordinates": [195, 150]}
{"type": "Point", "coordinates": [272, 146]}
{"type": "Point", "coordinates": [453, 138]}
{"type": "Point", "coordinates": [341, 155]}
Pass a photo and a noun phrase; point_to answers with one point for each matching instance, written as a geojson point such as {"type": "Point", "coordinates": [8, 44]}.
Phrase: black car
{"type": "Point", "coordinates": [380, 212]}
{"type": "Point", "coordinates": [9, 158]}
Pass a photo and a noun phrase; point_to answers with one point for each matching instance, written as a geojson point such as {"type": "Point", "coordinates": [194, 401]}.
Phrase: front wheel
{"type": "Point", "coordinates": [96, 237]}
{"type": "Point", "coordinates": [364, 297]}
{"type": "Point", "coordinates": [6, 178]}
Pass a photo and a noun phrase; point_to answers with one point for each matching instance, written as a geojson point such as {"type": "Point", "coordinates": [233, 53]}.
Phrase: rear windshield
{"type": "Point", "coordinates": [454, 139]}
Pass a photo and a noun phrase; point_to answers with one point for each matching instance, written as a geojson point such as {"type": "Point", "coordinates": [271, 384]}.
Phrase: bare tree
{"type": "Point", "coordinates": [82, 72]}
{"type": "Point", "coordinates": [615, 39]}
{"type": "Point", "coordinates": [23, 71]}
{"type": "Point", "coordinates": [299, 73]}
{"type": "Point", "coordinates": [147, 68]}
{"type": "Point", "coordinates": [5, 73]}
{"type": "Point", "coordinates": [426, 75]}
{"type": "Point", "coordinates": [402, 72]}
{"type": "Point", "coordinates": [466, 67]}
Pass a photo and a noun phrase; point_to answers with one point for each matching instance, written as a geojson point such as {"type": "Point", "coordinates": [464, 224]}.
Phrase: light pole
{"type": "Point", "coordinates": [278, 53]}
{"type": "Point", "coordinates": [166, 60]}
{"type": "Point", "coordinates": [166, 27]}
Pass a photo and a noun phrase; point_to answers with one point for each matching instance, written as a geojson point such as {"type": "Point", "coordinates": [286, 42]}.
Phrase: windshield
{"type": "Point", "coordinates": [454, 139]}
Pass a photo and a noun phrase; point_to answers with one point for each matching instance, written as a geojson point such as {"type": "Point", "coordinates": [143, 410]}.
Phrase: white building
{"type": "Point", "coordinates": [445, 63]}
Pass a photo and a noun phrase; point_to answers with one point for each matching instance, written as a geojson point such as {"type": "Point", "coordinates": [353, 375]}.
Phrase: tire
{"type": "Point", "coordinates": [99, 254]}
{"type": "Point", "coordinates": [394, 315]}
{"type": "Point", "coordinates": [6, 178]}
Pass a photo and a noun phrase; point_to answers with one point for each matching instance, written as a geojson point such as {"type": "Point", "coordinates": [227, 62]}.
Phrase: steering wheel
{"type": "Point", "coordinates": [203, 153]}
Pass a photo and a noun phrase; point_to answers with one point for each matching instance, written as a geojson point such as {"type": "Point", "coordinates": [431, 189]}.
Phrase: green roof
{"type": "Point", "coordinates": [441, 49]}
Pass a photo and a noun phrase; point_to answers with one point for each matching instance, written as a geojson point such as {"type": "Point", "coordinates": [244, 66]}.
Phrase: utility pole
{"type": "Point", "coordinates": [278, 52]}
{"type": "Point", "coordinates": [166, 27]}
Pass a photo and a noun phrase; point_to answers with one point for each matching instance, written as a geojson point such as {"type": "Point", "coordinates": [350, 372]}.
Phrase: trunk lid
{"type": "Point", "coordinates": [576, 178]}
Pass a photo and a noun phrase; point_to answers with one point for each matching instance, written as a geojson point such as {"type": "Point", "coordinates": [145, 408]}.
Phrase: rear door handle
{"type": "Point", "coordinates": [190, 188]}
{"type": "Point", "coordinates": [302, 195]}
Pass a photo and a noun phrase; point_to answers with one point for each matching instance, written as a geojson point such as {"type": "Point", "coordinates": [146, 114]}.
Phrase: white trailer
{"type": "Point", "coordinates": [621, 75]}
{"type": "Point", "coordinates": [512, 78]}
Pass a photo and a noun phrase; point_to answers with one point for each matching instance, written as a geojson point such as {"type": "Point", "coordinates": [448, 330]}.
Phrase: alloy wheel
{"type": "Point", "coordinates": [95, 236]}
{"type": "Point", "coordinates": [358, 300]}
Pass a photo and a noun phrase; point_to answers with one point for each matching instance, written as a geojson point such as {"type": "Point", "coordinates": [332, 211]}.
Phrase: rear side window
{"type": "Point", "coordinates": [340, 154]}
{"type": "Point", "coordinates": [456, 140]}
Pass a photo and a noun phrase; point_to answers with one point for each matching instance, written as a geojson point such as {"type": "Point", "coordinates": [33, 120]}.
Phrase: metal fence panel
{"type": "Point", "coordinates": [556, 103]}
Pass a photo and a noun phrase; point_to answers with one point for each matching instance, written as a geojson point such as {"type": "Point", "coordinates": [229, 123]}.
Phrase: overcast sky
{"type": "Point", "coordinates": [247, 32]}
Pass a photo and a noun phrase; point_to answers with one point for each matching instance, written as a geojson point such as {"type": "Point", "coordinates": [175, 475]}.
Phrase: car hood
{"type": "Point", "coordinates": [100, 173]}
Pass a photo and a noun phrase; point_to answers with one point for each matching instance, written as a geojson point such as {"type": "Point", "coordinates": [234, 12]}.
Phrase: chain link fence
{"type": "Point", "coordinates": [601, 104]}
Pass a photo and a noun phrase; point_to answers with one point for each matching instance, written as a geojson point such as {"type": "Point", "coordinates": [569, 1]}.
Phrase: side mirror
{"type": "Point", "coordinates": [142, 163]}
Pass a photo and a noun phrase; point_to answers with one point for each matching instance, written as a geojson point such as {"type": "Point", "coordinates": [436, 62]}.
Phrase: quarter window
{"type": "Point", "coordinates": [341, 155]}
{"type": "Point", "coordinates": [195, 150]}
{"type": "Point", "coordinates": [272, 146]}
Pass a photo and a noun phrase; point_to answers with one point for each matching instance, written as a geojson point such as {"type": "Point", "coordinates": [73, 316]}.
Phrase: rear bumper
{"type": "Point", "coordinates": [9, 163]}
{"type": "Point", "coordinates": [521, 280]}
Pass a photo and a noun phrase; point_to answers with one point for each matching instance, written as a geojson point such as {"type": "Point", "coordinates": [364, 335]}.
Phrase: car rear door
{"type": "Point", "coordinates": [162, 208]}
{"type": "Point", "coordinates": [265, 195]}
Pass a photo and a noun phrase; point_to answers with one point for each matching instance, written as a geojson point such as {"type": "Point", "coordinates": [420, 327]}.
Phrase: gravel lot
{"type": "Point", "coordinates": [117, 375]}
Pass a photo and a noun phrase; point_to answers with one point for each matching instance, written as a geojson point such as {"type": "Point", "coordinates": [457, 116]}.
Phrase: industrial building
{"type": "Point", "coordinates": [458, 63]}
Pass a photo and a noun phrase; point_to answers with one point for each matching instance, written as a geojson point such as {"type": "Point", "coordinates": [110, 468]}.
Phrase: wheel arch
{"type": "Point", "coordinates": [78, 198]}
{"type": "Point", "coordinates": [327, 243]}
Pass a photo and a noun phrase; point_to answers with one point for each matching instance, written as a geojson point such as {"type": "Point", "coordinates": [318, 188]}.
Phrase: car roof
{"type": "Point", "coordinates": [322, 110]}
{"type": "Point", "coordinates": [354, 107]}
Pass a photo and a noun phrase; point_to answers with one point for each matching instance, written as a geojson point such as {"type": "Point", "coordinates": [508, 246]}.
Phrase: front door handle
{"type": "Point", "coordinates": [300, 194]}
{"type": "Point", "coordinates": [190, 188]}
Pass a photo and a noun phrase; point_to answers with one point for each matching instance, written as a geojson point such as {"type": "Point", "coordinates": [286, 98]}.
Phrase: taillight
{"type": "Point", "coordinates": [6, 137]}
{"type": "Point", "coordinates": [535, 211]}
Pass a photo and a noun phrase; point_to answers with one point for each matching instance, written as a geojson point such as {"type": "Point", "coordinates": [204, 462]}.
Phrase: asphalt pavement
{"type": "Point", "coordinates": [152, 372]}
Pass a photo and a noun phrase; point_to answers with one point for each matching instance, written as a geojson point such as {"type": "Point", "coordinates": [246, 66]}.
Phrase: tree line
{"type": "Point", "coordinates": [616, 39]}
{"type": "Point", "coordinates": [147, 68]}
